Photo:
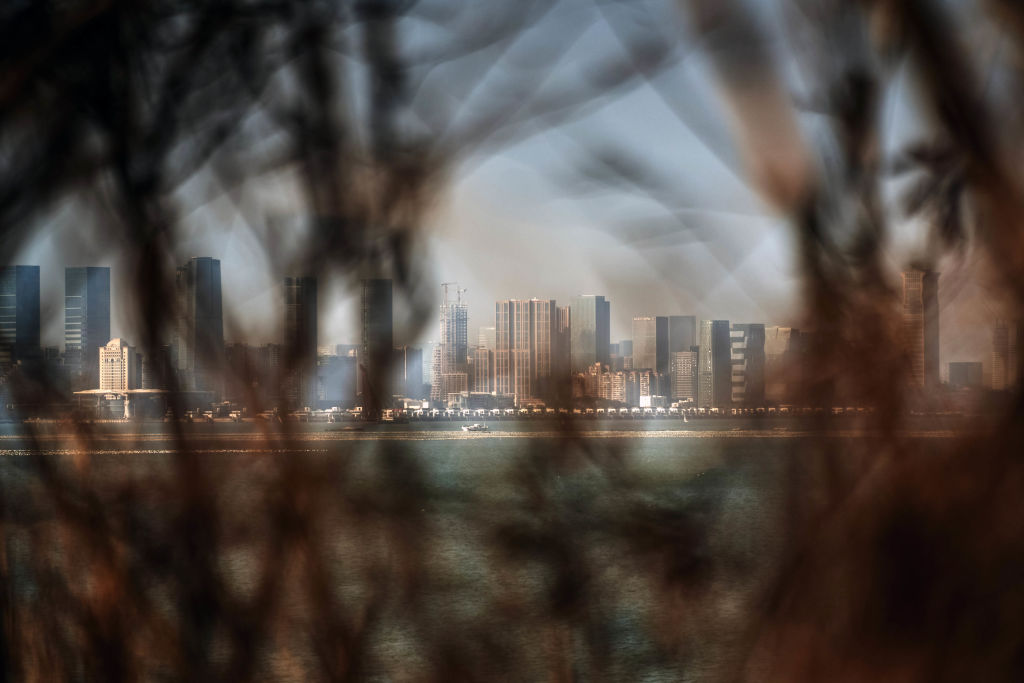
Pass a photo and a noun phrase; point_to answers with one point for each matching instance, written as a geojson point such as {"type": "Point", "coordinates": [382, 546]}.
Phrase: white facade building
{"type": "Point", "coordinates": [119, 369]}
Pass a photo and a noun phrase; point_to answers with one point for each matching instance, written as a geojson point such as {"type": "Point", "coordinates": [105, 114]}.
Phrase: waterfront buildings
{"type": "Point", "coordinates": [199, 334]}
{"type": "Point", "coordinates": [19, 315]}
{"type": "Point", "coordinates": [377, 341]}
{"type": "Point", "coordinates": [645, 341]}
{"type": "Point", "coordinates": [714, 375]}
{"type": "Point", "coordinates": [119, 366]}
{"type": "Point", "coordinates": [86, 323]}
{"type": "Point", "coordinates": [781, 364]}
{"type": "Point", "coordinates": [512, 354]}
{"type": "Point", "coordinates": [300, 339]}
{"type": "Point", "coordinates": [747, 360]}
{"type": "Point", "coordinates": [684, 376]}
{"type": "Point", "coordinates": [682, 333]}
{"type": "Point", "coordinates": [591, 331]}
{"type": "Point", "coordinates": [451, 374]}
{"type": "Point", "coordinates": [483, 370]}
{"type": "Point", "coordinates": [921, 326]}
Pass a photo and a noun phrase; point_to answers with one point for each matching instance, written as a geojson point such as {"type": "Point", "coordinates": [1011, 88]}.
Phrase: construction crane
{"type": "Point", "coordinates": [459, 291]}
{"type": "Point", "coordinates": [445, 286]}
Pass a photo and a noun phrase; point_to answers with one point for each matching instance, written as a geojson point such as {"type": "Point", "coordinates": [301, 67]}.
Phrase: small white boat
{"type": "Point", "coordinates": [476, 428]}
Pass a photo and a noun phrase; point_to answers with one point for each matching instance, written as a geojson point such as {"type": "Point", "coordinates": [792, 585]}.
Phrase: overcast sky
{"type": "Point", "coordinates": [536, 218]}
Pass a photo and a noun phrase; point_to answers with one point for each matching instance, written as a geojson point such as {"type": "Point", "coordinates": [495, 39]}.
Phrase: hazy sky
{"type": "Point", "coordinates": [539, 217]}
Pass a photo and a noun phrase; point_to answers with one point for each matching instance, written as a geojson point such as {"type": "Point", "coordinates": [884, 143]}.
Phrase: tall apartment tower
{"type": "Point", "coordinates": [714, 375]}
{"type": "Point", "coordinates": [300, 337]}
{"type": "Point", "coordinates": [19, 315]}
{"type": "Point", "coordinates": [921, 326]}
{"type": "Point", "coordinates": [645, 342]}
{"type": "Point", "coordinates": [377, 342]}
{"type": "Point", "coordinates": [543, 343]}
{"type": "Point", "coordinates": [590, 338]}
{"type": "Point", "coordinates": [512, 371]}
{"type": "Point", "coordinates": [747, 361]}
{"type": "Point", "coordinates": [86, 323]}
{"type": "Point", "coordinates": [451, 375]}
{"type": "Point", "coordinates": [483, 370]}
{"type": "Point", "coordinates": [199, 335]}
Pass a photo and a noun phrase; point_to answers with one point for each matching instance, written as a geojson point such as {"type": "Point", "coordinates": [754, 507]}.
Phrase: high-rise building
{"type": "Point", "coordinates": [198, 345]}
{"type": "Point", "coordinates": [483, 370]}
{"type": "Point", "coordinates": [300, 337]}
{"type": "Point", "coordinates": [684, 376]}
{"type": "Point", "coordinates": [964, 375]}
{"type": "Point", "coordinates": [454, 335]}
{"type": "Point", "coordinates": [921, 326]}
{"type": "Point", "coordinates": [590, 331]}
{"type": "Point", "coordinates": [682, 333]}
{"type": "Point", "coordinates": [451, 374]}
{"type": "Point", "coordinates": [543, 340]}
{"type": "Point", "coordinates": [781, 364]}
{"type": "Point", "coordinates": [19, 315]}
{"type": "Point", "coordinates": [512, 371]}
{"type": "Point", "coordinates": [86, 323]}
{"type": "Point", "coordinates": [562, 353]}
{"type": "Point", "coordinates": [377, 342]}
{"type": "Point", "coordinates": [645, 342]}
{"type": "Point", "coordinates": [118, 366]}
{"type": "Point", "coordinates": [714, 375]}
{"type": "Point", "coordinates": [747, 363]}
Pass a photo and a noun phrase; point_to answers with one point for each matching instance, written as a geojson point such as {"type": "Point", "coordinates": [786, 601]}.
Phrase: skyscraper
{"type": "Point", "coordinates": [684, 376]}
{"type": "Point", "coordinates": [300, 337]}
{"type": "Point", "coordinates": [544, 328]}
{"type": "Point", "coordinates": [591, 331]}
{"type": "Point", "coordinates": [781, 367]}
{"type": "Point", "coordinates": [714, 376]}
{"type": "Point", "coordinates": [451, 375]}
{"type": "Point", "coordinates": [512, 369]}
{"type": "Point", "coordinates": [86, 323]}
{"type": "Point", "coordinates": [19, 315]}
{"type": "Point", "coordinates": [682, 333]}
{"type": "Point", "coordinates": [483, 370]}
{"type": "Point", "coordinates": [377, 342]}
{"type": "Point", "coordinates": [747, 364]}
{"type": "Point", "coordinates": [199, 335]}
{"type": "Point", "coordinates": [645, 342]}
{"type": "Point", "coordinates": [921, 326]}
